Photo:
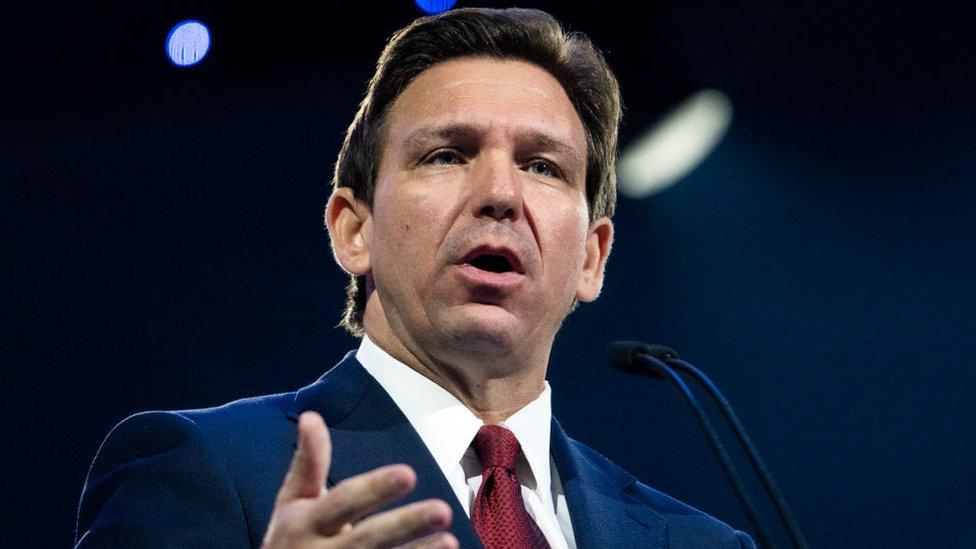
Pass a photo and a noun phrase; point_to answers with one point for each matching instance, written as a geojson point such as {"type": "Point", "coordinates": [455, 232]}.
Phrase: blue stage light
{"type": "Point", "coordinates": [188, 43]}
{"type": "Point", "coordinates": [435, 6]}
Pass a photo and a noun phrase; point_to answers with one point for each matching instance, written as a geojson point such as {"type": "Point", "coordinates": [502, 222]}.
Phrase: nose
{"type": "Point", "coordinates": [497, 189]}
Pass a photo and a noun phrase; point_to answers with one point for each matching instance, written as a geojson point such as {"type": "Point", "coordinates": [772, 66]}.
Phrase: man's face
{"type": "Point", "coordinates": [479, 237]}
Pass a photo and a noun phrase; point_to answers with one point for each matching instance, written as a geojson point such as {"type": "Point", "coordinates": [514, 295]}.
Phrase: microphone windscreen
{"type": "Point", "coordinates": [625, 356]}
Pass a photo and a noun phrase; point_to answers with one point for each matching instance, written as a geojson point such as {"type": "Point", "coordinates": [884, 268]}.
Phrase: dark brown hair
{"type": "Point", "coordinates": [525, 34]}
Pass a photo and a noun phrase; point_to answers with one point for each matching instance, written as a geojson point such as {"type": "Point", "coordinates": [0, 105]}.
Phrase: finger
{"type": "Point", "coordinates": [361, 495]}
{"type": "Point", "coordinates": [310, 464]}
{"type": "Point", "coordinates": [440, 540]}
{"type": "Point", "coordinates": [402, 525]}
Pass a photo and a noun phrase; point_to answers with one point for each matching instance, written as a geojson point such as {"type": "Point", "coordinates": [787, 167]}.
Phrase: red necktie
{"type": "Point", "coordinates": [499, 513]}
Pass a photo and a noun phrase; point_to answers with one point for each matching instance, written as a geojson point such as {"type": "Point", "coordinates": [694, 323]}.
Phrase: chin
{"type": "Point", "coordinates": [489, 330]}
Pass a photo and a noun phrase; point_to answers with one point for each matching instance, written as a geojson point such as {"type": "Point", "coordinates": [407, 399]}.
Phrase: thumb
{"type": "Point", "coordinates": [310, 464]}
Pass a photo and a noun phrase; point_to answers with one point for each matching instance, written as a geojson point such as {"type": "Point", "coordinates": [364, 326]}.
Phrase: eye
{"type": "Point", "coordinates": [544, 168]}
{"type": "Point", "coordinates": [443, 156]}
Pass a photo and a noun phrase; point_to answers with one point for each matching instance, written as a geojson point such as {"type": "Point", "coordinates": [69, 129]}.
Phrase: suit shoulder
{"type": "Point", "coordinates": [155, 431]}
{"type": "Point", "coordinates": [687, 526]}
{"type": "Point", "coordinates": [244, 416]}
{"type": "Point", "coordinates": [155, 479]}
{"type": "Point", "coordinates": [145, 434]}
{"type": "Point", "coordinates": [155, 468]}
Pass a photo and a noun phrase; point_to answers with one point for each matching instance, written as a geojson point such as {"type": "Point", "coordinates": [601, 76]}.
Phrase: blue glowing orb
{"type": "Point", "coordinates": [435, 6]}
{"type": "Point", "coordinates": [188, 43]}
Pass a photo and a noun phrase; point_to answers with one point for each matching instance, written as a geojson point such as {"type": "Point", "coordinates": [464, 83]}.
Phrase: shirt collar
{"type": "Point", "coordinates": [446, 425]}
{"type": "Point", "coordinates": [531, 426]}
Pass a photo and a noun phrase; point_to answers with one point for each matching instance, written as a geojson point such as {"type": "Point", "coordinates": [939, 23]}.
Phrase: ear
{"type": "Point", "coordinates": [350, 229]}
{"type": "Point", "coordinates": [596, 250]}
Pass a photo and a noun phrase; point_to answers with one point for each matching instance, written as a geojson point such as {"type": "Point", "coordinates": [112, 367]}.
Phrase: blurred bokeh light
{"type": "Point", "coordinates": [672, 148]}
{"type": "Point", "coordinates": [187, 44]}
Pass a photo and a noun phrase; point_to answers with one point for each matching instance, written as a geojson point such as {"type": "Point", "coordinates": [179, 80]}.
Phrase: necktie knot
{"type": "Point", "coordinates": [499, 514]}
{"type": "Point", "coordinates": [496, 446]}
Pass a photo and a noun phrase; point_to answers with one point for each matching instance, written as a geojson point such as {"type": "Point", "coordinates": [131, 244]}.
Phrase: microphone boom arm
{"type": "Point", "coordinates": [662, 369]}
{"type": "Point", "coordinates": [740, 434]}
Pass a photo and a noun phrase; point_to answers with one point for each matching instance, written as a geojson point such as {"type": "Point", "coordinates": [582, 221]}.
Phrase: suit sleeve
{"type": "Point", "coordinates": [158, 482]}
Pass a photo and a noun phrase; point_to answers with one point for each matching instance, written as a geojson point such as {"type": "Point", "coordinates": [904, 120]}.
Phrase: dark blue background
{"type": "Point", "coordinates": [163, 245]}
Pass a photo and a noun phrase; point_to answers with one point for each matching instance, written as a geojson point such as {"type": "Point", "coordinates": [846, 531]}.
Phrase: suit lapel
{"type": "Point", "coordinates": [368, 430]}
{"type": "Point", "coordinates": [602, 513]}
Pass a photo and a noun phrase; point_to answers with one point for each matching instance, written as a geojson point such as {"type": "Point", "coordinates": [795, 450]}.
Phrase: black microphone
{"type": "Point", "coordinates": [624, 357]}
{"type": "Point", "coordinates": [658, 361]}
{"type": "Point", "coordinates": [639, 358]}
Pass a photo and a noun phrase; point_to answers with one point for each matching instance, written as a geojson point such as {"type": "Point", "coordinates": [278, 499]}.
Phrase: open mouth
{"type": "Point", "coordinates": [492, 263]}
{"type": "Point", "coordinates": [494, 259]}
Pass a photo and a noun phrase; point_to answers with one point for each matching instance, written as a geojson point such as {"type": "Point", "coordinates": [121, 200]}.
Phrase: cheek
{"type": "Point", "coordinates": [409, 224]}
{"type": "Point", "coordinates": [566, 239]}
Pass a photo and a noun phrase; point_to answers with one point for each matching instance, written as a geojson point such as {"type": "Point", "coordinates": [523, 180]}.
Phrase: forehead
{"type": "Point", "coordinates": [503, 97]}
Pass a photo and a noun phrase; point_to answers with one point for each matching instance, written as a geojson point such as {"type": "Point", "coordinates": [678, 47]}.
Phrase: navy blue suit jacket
{"type": "Point", "coordinates": [208, 478]}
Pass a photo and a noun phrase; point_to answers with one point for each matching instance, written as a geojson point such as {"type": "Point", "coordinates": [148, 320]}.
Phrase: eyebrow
{"type": "Point", "coordinates": [448, 132]}
{"type": "Point", "coordinates": [467, 133]}
{"type": "Point", "coordinates": [547, 143]}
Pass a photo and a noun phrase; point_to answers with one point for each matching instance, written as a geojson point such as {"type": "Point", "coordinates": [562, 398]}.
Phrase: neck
{"type": "Point", "coordinates": [492, 385]}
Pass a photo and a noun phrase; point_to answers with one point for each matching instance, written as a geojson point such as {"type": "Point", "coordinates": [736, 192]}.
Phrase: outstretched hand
{"type": "Point", "coordinates": [308, 515]}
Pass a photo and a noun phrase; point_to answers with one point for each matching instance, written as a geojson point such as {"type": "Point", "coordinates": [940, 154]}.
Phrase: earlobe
{"type": "Point", "coordinates": [596, 251]}
{"type": "Point", "coordinates": [349, 221]}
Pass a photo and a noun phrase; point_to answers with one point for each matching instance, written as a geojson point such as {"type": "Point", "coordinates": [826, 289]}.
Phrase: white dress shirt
{"type": "Point", "coordinates": [447, 428]}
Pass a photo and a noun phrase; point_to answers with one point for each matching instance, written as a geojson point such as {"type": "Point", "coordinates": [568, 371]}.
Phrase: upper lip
{"type": "Point", "coordinates": [500, 250]}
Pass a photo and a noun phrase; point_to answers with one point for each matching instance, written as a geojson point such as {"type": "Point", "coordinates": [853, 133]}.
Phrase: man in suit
{"type": "Point", "coordinates": [472, 206]}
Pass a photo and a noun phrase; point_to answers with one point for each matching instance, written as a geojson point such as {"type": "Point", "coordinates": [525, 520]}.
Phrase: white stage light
{"type": "Point", "coordinates": [673, 147]}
